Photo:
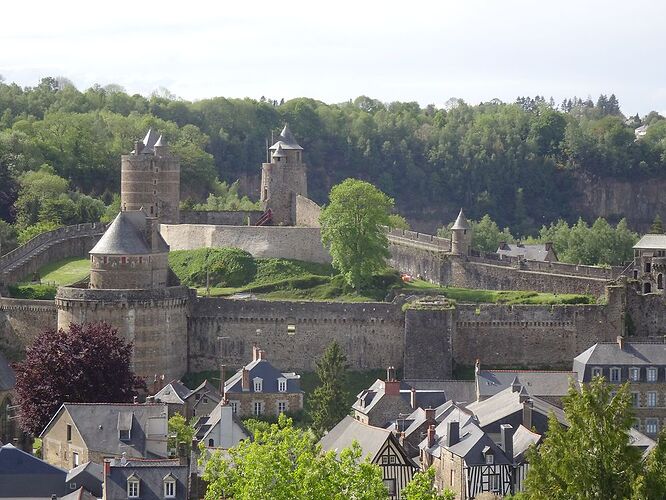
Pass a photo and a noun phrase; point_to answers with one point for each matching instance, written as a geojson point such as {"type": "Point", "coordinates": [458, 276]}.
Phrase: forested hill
{"type": "Point", "coordinates": [517, 161]}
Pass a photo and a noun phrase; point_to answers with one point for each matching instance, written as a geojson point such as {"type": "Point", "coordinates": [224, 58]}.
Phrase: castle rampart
{"type": "Point", "coordinates": [21, 320]}
{"type": "Point", "coordinates": [221, 217]}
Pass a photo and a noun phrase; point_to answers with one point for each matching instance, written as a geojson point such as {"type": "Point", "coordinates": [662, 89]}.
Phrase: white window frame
{"type": "Point", "coordinates": [75, 458]}
{"type": "Point", "coordinates": [133, 487]}
{"type": "Point", "coordinates": [282, 384]}
{"type": "Point", "coordinates": [615, 370]}
{"type": "Point", "coordinates": [258, 384]}
{"type": "Point", "coordinates": [636, 399]}
{"type": "Point", "coordinates": [169, 488]}
{"type": "Point", "coordinates": [597, 371]}
{"type": "Point", "coordinates": [651, 426]}
{"type": "Point", "coordinates": [235, 406]}
{"type": "Point", "coordinates": [634, 374]}
{"type": "Point", "coordinates": [285, 406]}
{"type": "Point", "coordinates": [494, 482]}
{"type": "Point", "coordinates": [391, 486]}
{"type": "Point", "coordinates": [257, 405]}
{"type": "Point", "coordinates": [490, 459]}
{"type": "Point", "coordinates": [652, 399]}
{"type": "Point", "coordinates": [652, 374]}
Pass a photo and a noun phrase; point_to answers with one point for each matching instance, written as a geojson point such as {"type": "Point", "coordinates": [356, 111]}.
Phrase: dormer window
{"type": "Point", "coordinates": [282, 384]}
{"type": "Point", "coordinates": [169, 486]}
{"type": "Point", "coordinates": [124, 435]}
{"type": "Point", "coordinates": [133, 486]}
{"type": "Point", "coordinates": [490, 459]}
{"type": "Point", "coordinates": [258, 384]}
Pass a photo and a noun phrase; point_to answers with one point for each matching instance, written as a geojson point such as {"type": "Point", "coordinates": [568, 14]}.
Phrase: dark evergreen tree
{"type": "Point", "coordinates": [328, 403]}
{"type": "Point", "coordinates": [657, 227]}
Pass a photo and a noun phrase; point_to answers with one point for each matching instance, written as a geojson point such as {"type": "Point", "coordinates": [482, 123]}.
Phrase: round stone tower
{"type": "Point", "coordinates": [461, 235]}
{"type": "Point", "coordinates": [283, 179]}
{"type": "Point", "coordinates": [150, 179]}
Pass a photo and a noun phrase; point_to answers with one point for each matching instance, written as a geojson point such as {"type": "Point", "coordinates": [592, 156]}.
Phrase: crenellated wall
{"type": "Point", "coordinates": [21, 320]}
{"type": "Point", "coordinates": [221, 217]}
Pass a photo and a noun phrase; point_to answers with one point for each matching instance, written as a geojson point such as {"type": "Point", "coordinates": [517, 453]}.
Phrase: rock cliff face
{"type": "Point", "coordinates": [639, 201]}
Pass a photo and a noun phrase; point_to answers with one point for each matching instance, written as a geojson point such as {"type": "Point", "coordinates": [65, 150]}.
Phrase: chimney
{"type": "Point", "coordinates": [182, 453]}
{"type": "Point", "coordinates": [138, 147]}
{"type": "Point", "coordinates": [430, 415]}
{"type": "Point", "coordinates": [477, 366]}
{"type": "Point", "coordinates": [523, 395]}
{"type": "Point", "coordinates": [260, 354]}
{"type": "Point", "coordinates": [452, 433]}
{"type": "Point", "coordinates": [620, 342]}
{"type": "Point", "coordinates": [135, 400]}
{"type": "Point", "coordinates": [245, 383]}
{"type": "Point", "coordinates": [527, 414]}
{"type": "Point", "coordinates": [515, 385]}
{"type": "Point", "coordinates": [390, 373]}
{"type": "Point", "coordinates": [412, 398]}
{"type": "Point", "coordinates": [222, 368]}
{"type": "Point", "coordinates": [107, 468]}
{"type": "Point", "coordinates": [401, 438]}
{"type": "Point", "coordinates": [255, 352]}
{"type": "Point", "coordinates": [431, 436]}
{"type": "Point", "coordinates": [123, 459]}
{"type": "Point", "coordinates": [391, 385]}
{"type": "Point", "coordinates": [506, 431]}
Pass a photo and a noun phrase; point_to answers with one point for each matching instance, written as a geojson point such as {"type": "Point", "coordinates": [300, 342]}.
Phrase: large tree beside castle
{"type": "Point", "coordinates": [352, 228]}
{"type": "Point", "coordinates": [87, 363]}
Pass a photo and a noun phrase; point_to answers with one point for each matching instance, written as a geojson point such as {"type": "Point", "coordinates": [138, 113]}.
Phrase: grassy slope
{"type": "Point", "coordinates": [65, 272]}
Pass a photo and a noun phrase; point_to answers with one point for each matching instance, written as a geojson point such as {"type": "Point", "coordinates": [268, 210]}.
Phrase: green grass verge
{"type": "Point", "coordinates": [35, 292]}
{"type": "Point", "coordinates": [65, 272]}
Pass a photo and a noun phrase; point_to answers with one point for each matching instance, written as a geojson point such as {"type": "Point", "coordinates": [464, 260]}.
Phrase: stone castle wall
{"type": "Point", "coordinates": [301, 243]}
{"type": "Point", "coordinates": [222, 217]}
{"type": "Point", "coordinates": [646, 314]}
{"type": "Point", "coordinates": [294, 334]}
{"type": "Point", "coordinates": [307, 212]}
{"type": "Point", "coordinates": [21, 320]}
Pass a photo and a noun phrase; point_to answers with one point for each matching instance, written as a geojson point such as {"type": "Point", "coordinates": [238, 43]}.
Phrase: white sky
{"type": "Point", "coordinates": [425, 51]}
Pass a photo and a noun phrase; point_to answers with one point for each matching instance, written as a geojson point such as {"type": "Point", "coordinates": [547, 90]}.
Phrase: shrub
{"type": "Point", "coordinates": [35, 292]}
{"type": "Point", "coordinates": [223, 266]}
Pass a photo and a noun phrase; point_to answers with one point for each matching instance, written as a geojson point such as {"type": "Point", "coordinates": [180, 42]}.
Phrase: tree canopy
{"type": "Point", "coordinates": [87, 363]}
{"type": "Point", "coordinates": [328, 402]}
{"type": "Point", "coordinates": [352, 229]}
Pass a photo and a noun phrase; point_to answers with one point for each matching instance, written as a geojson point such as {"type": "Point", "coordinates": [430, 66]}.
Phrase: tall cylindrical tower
{"type": "Point", "coordinates": [150, 179]}
{"type": "Point", "coordinates": [283, 178]}
{"type": "Point", "coordinates": [461, 235]}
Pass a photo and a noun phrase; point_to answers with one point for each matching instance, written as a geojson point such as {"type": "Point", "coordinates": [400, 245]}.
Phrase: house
{"type": "Point", "coordinates": [650, 263]}
{"type": "Point", "coordinates": [127, 478]}
{"type": "Point", "coordinates": [643, 365]}
{"type": "Point", "coordinates": [387, 400]}
{"type": "Point", "coordinates": [87, 476]}
{"type": "Point", "coordinates": [23, 475]}
{"type": "Point", "coordinates": [469, 461]}
{"type": "Point", "coordinates": [261, 389]}
{"type": "Point", "coordinates": [189, 403]}
{"type": "Point", "coordinates": [8, 428]}
{"type": "Point", "coordinates": [380, 445]}
{"type": "Point", "coordinates": [82, 432]}
{"type": "Point", "coordinates": [543, 252]}
{"type": "Point", "coordinates": [550, 386]}
{"type": "Point", "coordinates": [222, 428]}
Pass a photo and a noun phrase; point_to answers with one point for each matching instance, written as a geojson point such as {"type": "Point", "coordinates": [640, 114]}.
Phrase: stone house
{"type": "Point", "coordinates": [542, 252]}
{"type": "Point", "coordinates": [145, 479]}
{"type": "Point", "coordinates": [259, 388]}
{"type": "Point", "coordinates": [650, 263]}
{"type": "Point", "coordinates": [380, 445]}
{"type": "Point", "coordinates": [198, 402]}
{"type": "Point", "coordinates": [643, 365]}
{"type": "Point", "coordinates": [82, 432]}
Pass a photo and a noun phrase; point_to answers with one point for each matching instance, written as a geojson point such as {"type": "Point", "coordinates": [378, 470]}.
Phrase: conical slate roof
{"type": "Point", "coordinates": [286, 139]}
{"type": "Point", "coordinates": [161, 141]}
{"type": "Point", "coordinates": [125, 236]}
{"type": "Point", "coordinates": [279, 152]}
{"type": "Point", "coordinates": [461, 221]}
{"type": "Point", "coordinates": [151, 138]}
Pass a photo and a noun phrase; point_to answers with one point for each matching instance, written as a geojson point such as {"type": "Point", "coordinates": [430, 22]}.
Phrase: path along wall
{"type": "Point", "coordinates": [21, 320]}
{"type": "Point", "coordinates": [294, 334]}
{"type": "Point", "coordinates": [224, 217]}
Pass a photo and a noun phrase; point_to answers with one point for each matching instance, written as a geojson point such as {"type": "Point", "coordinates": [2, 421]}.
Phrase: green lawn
{"type": "Point", "coordinates": [65, 272]}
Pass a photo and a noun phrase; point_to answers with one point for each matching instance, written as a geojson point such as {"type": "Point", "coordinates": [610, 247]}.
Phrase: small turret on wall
{"type": "Point", "coordinates": [150, 179]}
{"type": "Point", "coordinates": [461, 235]}
{"type": "Point", "coordinates": [283, 178]}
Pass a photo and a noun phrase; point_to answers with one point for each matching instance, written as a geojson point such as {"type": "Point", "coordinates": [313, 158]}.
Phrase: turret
{"type": "Point", "coordinates": [461, 235]}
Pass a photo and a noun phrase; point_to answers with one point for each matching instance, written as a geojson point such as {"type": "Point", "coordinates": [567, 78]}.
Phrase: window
{"type": "Point", "coordinates": [72, 486]}
{"type": "Point", "coordinates": [197, 397]}
{"type": "Point", "coordinates": [291, 329]}
{"type": "Point", "coordinates": [124, 434]}
{"type": "Point", "coordinates": [75, 459]}
{"type": "Point", "coordinates": [133, 487]}
{"type": "Point", "coordinates": [392, 459]}
{"type": "Point", "coordinates": [647, 288]}
{"type": "Point", "coordinates": [123, 260]}
{"type": "Point", "coordinates": [635, 374]}
{"type": "Point", "coordinates": [258, 384]}
{"type": "Point", "coordinates": [390, 486]}
{"type": "Point", "coordinates": [651, 374]}
{"type": "Point", "coordinates": [652, 399]}
{"type": "Point", "coordinates": [205, 400]}
{"type": "Point", "coordinates": [651, 426]}
{"type": "Point", "coordinates": [635, 399]}
{"type": "Point", "coordinates": [234, 406]}
{"type": "Point", "coordinates": [282, 406]}
{"type": "Point", "coordinates": [106, 259]}
{"type": "Point", "coordinates": [596, 372]}
{"type": "Point", "coordinates": [635, 274]}
{"type": "Point", "coordinates": [384, 460]}
{"type": "Point", "coordinates": [140, 260]}
{"type": "Point", "coordinates": [169, 488]}
{"type": "Point", "coordinates": [494, 482]}
{"type": "Point", "coordinates": [490, 459]}
{"type": "Point", "coordinates": [648, 267]}
{"type": "Point", "coordinates": [69, 432]}
{"type": "Point", "coordinates": [258, 407]}
{"type": "Point", "coordinates": [211, 443]}
{"type": "Point", "coordinates": [282, 385]}
{"type": "Point", "coordinates": [660, 281]}
{"type": "Point", "coordinates": [453, 479]}
{"type": "Point", "coordinates": [614, 374]}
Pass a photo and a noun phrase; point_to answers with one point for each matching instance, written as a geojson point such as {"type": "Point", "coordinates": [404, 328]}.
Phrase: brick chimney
{"type": "Point", "coordinates": [260, 354]}
{"type": "Point", "coordinates": [391, 385]}
{"type": "Point", "coordinates": [245, 380]}
{"type": "Point", "coordinates": [620, 342]}
{"type": "Point", "coordinates": [431, 436]}
{"type": "Point", "coordinates": [506, 431]}
{"type": "Point", "coordinates": [412, 398]}
{"type": "Point", "coordinates": [430, 414]}
{"type": "Point", "coordinates": [452, 433]}
{"type": "Point", "coordinates": [255, 352]}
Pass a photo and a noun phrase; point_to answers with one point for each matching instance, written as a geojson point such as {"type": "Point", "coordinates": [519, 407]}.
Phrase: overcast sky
{"type": "Point", "coordinates": [333, 51]}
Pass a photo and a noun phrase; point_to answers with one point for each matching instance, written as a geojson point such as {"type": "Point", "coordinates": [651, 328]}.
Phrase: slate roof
{"type": "Point", "coordinates": [434, 395]}
{"type": "Point", "coordinates": [538, 383]}
{"type": "Point", "coordinates": [91, 468]}
{"type": "Point", "coordinates": [149, 142]}
{"type": "Point", "coordinates": [460, 391]}
{"type": "Point", "coordinates": [523, 438]}
{"type": "Point", "coordinates": [268, 373]}
{"type": "Point", "coordinates": [151, 474]}
{"type": "Point", "coordinates": [175, 392]}
{"type": "Point", "coordinates": [208, 424]}
{"type": "Point", "coordinates": [635, 354]}
{"type": "Point", "coordinates": [7, 377]}
{"type": "Point", "coordinates": [370, 438]}
{"type": "Point", "coordinates": [126, 236]}
{"type": "Point", "coordinates": [286, 140]}
{"type": "Point", "coordinates": [537, 251]}
{"type": "Point", "coordinates": [98, 424]}
{"type": "Point", "coordinates": [80, 494]}
{"type": "Point", "coordinates": [24, 475]}
{"type": "Point", "coordinates": [652, 241]}
{"type": "Point", "coordinates": [461, 221]}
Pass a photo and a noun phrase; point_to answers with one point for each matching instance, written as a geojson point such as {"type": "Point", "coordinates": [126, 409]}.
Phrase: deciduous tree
{"type": "Point", "coordinates": [328, 402]}
{"type": "Point", "coordinates": [422, 487]}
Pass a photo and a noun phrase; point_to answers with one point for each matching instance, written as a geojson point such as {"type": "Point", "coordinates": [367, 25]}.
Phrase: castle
{"type": "Point", "coordinates": [174, 331]}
